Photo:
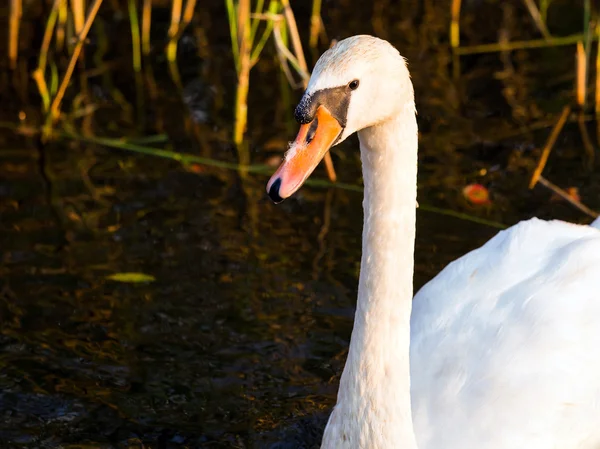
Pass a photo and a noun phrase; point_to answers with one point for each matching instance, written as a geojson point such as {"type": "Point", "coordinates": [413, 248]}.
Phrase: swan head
{"type": "Point", "coordinates": [360, 82]}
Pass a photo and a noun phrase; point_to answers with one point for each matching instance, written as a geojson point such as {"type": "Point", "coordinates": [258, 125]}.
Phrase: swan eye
{"type": "Point", "coordinates": [353, 85]}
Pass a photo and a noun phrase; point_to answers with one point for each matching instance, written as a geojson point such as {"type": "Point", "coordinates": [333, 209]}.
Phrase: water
{"type": "Point", "coordinates": [240, 341]}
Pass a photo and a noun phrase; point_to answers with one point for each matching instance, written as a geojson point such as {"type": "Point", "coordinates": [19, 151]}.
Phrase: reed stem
{"type": "Point", "coordinates": [520, 45]}
{"type": "Point", "coordinates": [581, 75]}
{"type": "Point", "coordinates": [587, 43]}
{"type": "Point", "coordinates": [535, 14]}
{"type": "Point", "coordinates": [315, 23]}
{"type": "Point", "coordinates": [280, 35]}
{"type": "Point", "coordinates": [585, 137]}
{"type": "Point", "coordinates": [135, 35]}
{"type": "Point", "coordinates": [284, 55]}
{"type": "Point", "coordinates": [231, 15]}
{"type": "Point", "coordinates": [78, 10]}
{"type": "Point", "coordinates": [455, 37]}
{"type": "Point", "coordinates": [241, 98]}
{"type": "Point", "coordinates": [55, 107]}
{"type": "Point", "coordinates": [63, 15]}
{"type": "Point", "coordinates": [146, 24]}
{"type": "Point", "coordinates": [544, 4]}
{"type": "Point", "coordinates": [597, 93]}
{"type": "Point", "coordinates": [548, 146]}
{"type": "Point", "coordinates": [254, 27]}
{"type": "Point", "coordinates": [183, 22]}
{"type": "Point", "coordinates": [173, 29]}
{"type": "Point", "coordinates": [296, 42]}
{"type": "Point", "coordinates": [16, 11]}
{"type": "Point", "coordinates": [39, 74]}
{"type": "Point", "coordinates": [273, 8]}
{"type": "Point", "coordinates": [188, 13]}
{"type": "Point", "coordinates": [50, 24]}
{"type": "Point", "coordinates": [564, 195]}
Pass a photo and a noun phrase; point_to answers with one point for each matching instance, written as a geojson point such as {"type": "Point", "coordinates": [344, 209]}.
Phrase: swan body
{"type": "Point", "coordinates": [502, 348]}
{"type": "Point", "coordinates": [505, 343]}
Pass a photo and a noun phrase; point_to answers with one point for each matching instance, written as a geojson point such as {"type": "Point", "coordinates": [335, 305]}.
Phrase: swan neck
{"type": "Point", "coordinates": [374, 395]}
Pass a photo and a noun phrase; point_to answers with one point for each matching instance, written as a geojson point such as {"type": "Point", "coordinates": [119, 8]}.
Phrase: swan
{"type": "Point", "coordinates": [502, 348]}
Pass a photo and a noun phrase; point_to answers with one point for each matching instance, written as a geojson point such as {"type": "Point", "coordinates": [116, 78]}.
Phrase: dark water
{"type": "Point", "coordinates": [240, 341]}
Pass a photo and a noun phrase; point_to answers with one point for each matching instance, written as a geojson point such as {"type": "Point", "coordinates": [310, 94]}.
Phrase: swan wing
{"type": "Point", "coordinates": [505, 343]}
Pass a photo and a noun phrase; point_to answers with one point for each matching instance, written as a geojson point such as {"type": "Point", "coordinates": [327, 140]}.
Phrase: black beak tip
{"type": "Point", "coordinates": [274, 191]}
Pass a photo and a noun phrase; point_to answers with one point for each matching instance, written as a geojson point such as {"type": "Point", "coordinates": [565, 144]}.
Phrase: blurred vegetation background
{"type": "Point", "coordinates": [78, 50]}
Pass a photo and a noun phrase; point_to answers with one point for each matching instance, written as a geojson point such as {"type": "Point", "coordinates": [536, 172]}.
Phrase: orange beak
{"type": "Point", "coordinates": [313, 141]}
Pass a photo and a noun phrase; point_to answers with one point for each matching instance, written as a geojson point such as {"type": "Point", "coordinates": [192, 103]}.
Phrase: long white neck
{"type": "Point", "coordinates": [373, 408]}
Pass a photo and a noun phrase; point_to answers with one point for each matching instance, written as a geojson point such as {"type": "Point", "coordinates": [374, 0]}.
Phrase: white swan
{"type": "Point", "coordinates": [504, 342]}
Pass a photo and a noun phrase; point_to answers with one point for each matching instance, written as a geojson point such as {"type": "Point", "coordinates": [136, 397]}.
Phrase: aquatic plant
{"type": "Point", "coordinates": [58, 27]}
{"type": "Point", "coordinates": [583, 45]}
{"type": "Point", "coordinates": [246, 50]}
{"type": "Point", "coordinates": [254, 24]}
{"type": "Point", "coordinates": [279, 20]}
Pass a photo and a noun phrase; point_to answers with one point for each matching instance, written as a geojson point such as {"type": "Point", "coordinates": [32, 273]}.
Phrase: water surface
{"type": "Point", "coordinates": [240, 341]}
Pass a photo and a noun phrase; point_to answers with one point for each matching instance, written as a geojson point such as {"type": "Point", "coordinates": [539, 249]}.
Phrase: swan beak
{"type": "Point", "coordinates": [313, 141]}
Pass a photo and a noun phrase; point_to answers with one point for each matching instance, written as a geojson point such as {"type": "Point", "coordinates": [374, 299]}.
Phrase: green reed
{"type": "Point", "coordinates": [246, 49]}
{"type": "Point", "coordinates": [67, 26]}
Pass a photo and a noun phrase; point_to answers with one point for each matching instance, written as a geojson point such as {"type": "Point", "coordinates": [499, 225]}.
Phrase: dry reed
{"type": "Point", "coordinates": [178, 24]}
{"type": "Point", "coordinates": [535, 14]}
{"type": "Point", "coordinates": [61, 27]}
{"type": "Point", "coordinates": [39, 74]}
{"type": "Point", "coordinates": [548, 146]}
{"type": "Point", "coordinates": [16, 10]}
{"type": "Point", "coordinates": [55, 106]}
{"type": "Point", "coordinates": [146, 23]}
{"type": "Point", "coordinates": [173, 29]}
{"type": "Point", "coordinates": [455, 37]}
{"type": "Point", "coordinates": [597, 93]}
{"type": "Point", "coordinates": [581, 96]}
{"type": "Point", "coordinates": [569, 198]}
{"type": "Point", "coordinates": [583, 42]}
{"type": "Point", "coordinates": [581, 75]}
{"type": "Point", "coordinates": [78, 11]}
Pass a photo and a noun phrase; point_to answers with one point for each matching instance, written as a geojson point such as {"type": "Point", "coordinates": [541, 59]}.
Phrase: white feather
{"type": "Point", "coordinates": [505, 343]}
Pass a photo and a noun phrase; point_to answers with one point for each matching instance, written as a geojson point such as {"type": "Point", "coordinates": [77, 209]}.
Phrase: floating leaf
{"type": "Point", "coordinates": [133, 278]}
{"type": "Point", "coordinates": [476, 194]}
